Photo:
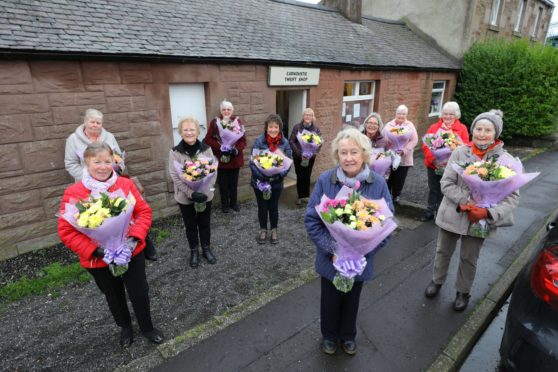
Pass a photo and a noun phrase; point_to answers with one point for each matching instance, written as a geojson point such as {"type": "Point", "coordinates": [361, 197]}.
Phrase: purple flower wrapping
{"type": "Point", "coordinates": [380, 166]}
{"type": "Point", "coordinates": [228, 137]}
{"type": "Point", "coordinates": [274, 170]}
{"type": "Point", "coordinates": [398, 140]}
{"type": "Point", "coordinates": [198, 186]}
{"type": "Point", "coordinates": [308, 149]}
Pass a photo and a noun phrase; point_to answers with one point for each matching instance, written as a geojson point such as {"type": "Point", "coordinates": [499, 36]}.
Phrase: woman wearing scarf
{"type": "Point", "coordinates": [100, 177]}
{"type": "Point", "coordinates": [373, 127]}
{"type": "Point", "coordinates": [338, 310]}
{"type": "Point", "coordinates": [456, 213]}
{"type": "Point", "coordinates": [449, 121]}
{"type": "Point", "coordinates": [270, 140]}
{"type": "Point", "coordinates": [303, 173]}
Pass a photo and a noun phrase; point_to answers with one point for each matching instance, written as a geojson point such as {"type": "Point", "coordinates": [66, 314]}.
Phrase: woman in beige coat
{"type": "Point", "coordinates": [457, 212]}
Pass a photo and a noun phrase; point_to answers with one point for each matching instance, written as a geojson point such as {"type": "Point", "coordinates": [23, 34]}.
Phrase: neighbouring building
{"type": "Point", "coordinates": [456, 24]}
{"type": "Point", "coordinates": [552, 36]}
{"type": "Point", "coordinates": [145, 64]}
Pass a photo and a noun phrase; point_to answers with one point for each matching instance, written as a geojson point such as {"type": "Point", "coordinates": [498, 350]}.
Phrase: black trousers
{"type": "Point", "coordinates": [338, 311]}
{"type": "Point", "coordinates": [268, 208]}
{"type": "Point", "coordinates": [303, 175]}
{"type": "Point", "coordinates": [435, 195]}
{"type": "Point", "coordinates": [197, 224]}
{"type": "Point", "coordinates": [396, 180]}
{"type": "Point", "coordinates": [132, 281]}
{"type": "Point", "coordinates": [227, 179]}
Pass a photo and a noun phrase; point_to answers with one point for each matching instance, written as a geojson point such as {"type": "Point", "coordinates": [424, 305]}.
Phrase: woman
{"type": "Point", "coordinates": [227, 177]}
{"type": "Point", "coordinates": [396, 179]}
{"type": "Point", "coordinates": [338, 310]}
{"type": "Point", "coordinates": [270, 140]}
{"type": "Point", "coordinates": [197, 223]}
{"type": "Point", "coordinates": [449, 121]}
{"type": "Point", "coordinates": [373, 127]}
{"type": "Point", "coordinates": [100, 177]}
{"type": "Point", "coordinates": [456, 214]}
{"type": "Point", "coordinates": [91, 131]}
{"type": "Point", "coordinates": [303, 173]}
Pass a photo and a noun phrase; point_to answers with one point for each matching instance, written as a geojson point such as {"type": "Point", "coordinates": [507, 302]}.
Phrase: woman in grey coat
{"type": "Point", "coordinates": [457, 212]}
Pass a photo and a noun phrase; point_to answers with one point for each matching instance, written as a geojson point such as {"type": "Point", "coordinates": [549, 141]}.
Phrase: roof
{"type": "Point", "coordinates": [243, 30]}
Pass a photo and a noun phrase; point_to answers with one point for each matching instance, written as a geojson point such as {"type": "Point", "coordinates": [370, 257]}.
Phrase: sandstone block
{"type": "Point", "coordinates": [150, 128]}
{"type": "Point", "coordinates": [20, 201]}
{"type": "Point", "coordinates": [53, 131]}
{"type": "Point", "coordinates": [148, 166]}
{"type": "Point", "coordinates": [77, 99]}
{"type": "Point", "coordinates": [157, 188]}
{"type": "Point", "coordinates": [41, 119]}
{"type": "Point", "coordinates": [43, 155]}
{"type": "Point", "coordinates": [14, 72]}
{"type": "Point", "coordinates": [17, 89]}
{"type": "Point", "coordinates": [136, 76]}
{"type": "Point", "coordinates": [239, 76]}
{"type": "Point", "coordinates": [138, 156]}
{"type": "Point", "coordinates": [15, 128]}
{"type": "Point", "coordinates": [153, 177]}
{"type": "Point", "coordinates": [100, 72]}
{"type": "Point", "coordinates": [52, 206]}
{"type": "Point", "coordinates": [124, 90]}
{"type": "Point", "coordinates": [26, 232]}
{"type": "Point", "coordinates": [143, 116]}
{"type": "Point", "coordinates": [56, 76]}
{"type": "Point", "coordinates": [23, 104]}
{"type": "Point", "coordinates": [158, 201]}
{"type": "Point", "coordinates": [72, 114]}
{"type": "Point", "coordinates": [116, 122]}
{"type": "Point", "coordinates": [34, 181]}
{"type": "Point", "coordinates": [53, 191]}
{"type": "Point", "coordinates": [22, 218]}
{"type": "Point", "coordinates": [37, 243]}
{"type": "Point", "coordinates": [126, 104]}
{"type": "Point", "coordinates": [135, 143]}
{"type": "Point", "coordinates": [9, 158]}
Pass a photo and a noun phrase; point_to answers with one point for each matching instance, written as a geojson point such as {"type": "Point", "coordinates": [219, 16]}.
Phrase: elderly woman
{"type": "Point", "coordinates": [455, 214]}
{"type": "Point", "coordinates": [338, 311]}
{"type": "Point", "coordinates": [303, 173]}
{"type": "Point", "coordinates": [270, 140]}
{"type": "Point", "coordinates": [396, 179]}
{"type": "Point", "coordinates": [373, 127]}
{"type": "Point", "coordinates": [91, 131]}
{"type": "Point", "coordinates": [100, 177]}
{"type": "Point", "coordinates": [197, 223]}
{"type": "Point", "coordinates": [227, 177]}
{"type": "Point", "coordinates": [449, 121]}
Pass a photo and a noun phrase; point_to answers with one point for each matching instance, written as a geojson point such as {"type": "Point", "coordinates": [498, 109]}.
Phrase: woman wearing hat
{"type": "Point", "coordinates": [457, 212]}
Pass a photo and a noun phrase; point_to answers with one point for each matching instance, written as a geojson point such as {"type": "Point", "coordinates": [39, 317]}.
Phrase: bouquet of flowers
{"type": "Point", "coordinates": [358, 226]}
{"type": "Point", "coordinates": [105, 220]}
{"type": "Point", "coordinates": [441, 144]}
{"type": "Point", "coordinates": [269, 164]}
{"type": "Point", "coordinates": [230, 132]}
{"type": "Point", "coordinates": [310, 144]}
{"type": "Point", "coordinates": [118, 161]}
{"type": "Point", "coordinates": [490, 182]}
{"type": "Point", "coordinates": [197, 175]}
{"type": "Point", "coordinates": [380, 161]}
{"type": "Point", "coordinates": [398, 136]}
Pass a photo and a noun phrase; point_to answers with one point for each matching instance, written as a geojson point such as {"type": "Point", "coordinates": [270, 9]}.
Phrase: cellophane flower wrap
{"type": "Point", "coordinates": [441, 144]}
{"type": "Point", "coordinates": [398, 136]}
{"type": "Point", "coordinates": [490, 181]}
{"type": "Point", "coordinates": [230, 132]}
{"type": "Point", "coordinates": [269, 164]}
{"type": "Point", "coordinates": [358, 226]}
{"type": "Point", "coordinates": [310, 144]}
{"type": "Point", "coordinates": [105, 220]}
{"type": "Point", "coordinates": [380, 161]}
{"type": "Point", "coordinates": [197, 174]}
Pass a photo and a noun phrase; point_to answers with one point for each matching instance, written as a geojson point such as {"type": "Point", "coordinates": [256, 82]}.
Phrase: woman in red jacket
{"type": "Point", "coordinates": [449, 121]}
{"type": "Point", "coordinates": [101, 178]}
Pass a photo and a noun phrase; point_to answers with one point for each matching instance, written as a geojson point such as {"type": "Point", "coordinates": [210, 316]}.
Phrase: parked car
{"type": "Point", "coordinates": [530, 339]}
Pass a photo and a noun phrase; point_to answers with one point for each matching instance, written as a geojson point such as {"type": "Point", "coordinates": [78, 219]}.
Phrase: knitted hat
{"type": "Point", "coordinates": [495, 117]}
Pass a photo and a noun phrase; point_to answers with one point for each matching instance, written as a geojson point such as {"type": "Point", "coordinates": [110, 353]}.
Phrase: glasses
{"type": "Point", "coordinates": [226, 109]}
{"type": "Point", "coordinates": [372, 123]}
{"type": "Point", "coordinates": [189, 129]}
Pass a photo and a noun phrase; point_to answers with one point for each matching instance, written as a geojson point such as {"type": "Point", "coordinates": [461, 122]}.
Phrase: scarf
{"type": "Point", "coordinates": [352, 181]}
{"type": "Point", "coordinates": [481, 150]}
{"type": "Point", "coordinates": [185, 148]}
{"type": "Point", "coordinates": [96, 186]}
{"type": "Point", "coordinates": [446, 127]}
{"type": "Point", "coordinates": [273, 142]}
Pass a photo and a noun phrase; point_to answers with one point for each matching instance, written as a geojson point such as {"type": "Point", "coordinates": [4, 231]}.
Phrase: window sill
{"type": "Point", "coordinates": [517, 34]}
{"type": "Point", "coordinates": [493, 28]}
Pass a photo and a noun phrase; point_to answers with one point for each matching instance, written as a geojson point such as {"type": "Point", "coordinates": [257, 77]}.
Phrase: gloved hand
{"type": "Point", "coordinates": [132, 242]}
{"type": "Point", "coordinates": [273, 179]}
{"type": "Point", "coordinates": [99, 252]}
{"type": "Point", "coordinates": [233, 152]}
{"type": "Point", "coordinates": [198, 197]}
{"type": "Point", "coordinates": [475, 214]}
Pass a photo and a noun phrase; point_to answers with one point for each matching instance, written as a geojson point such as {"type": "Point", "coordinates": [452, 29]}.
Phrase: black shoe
{"type": "Point", "coordinates": [126, 337]}
{"type": "Point", "coordinates": [194, 258]}
{"type": "Point", "coordinates": [149, 250]}
{"type": "Point", "coordinates": [206, 253]}
{"type": "Point", "coordinates": [349, 347]}
{"type": "Point", "coordinates": [235, 208]}
{"type": "Point", "coordinates": [461, 301]}
{"type": "Point", "coordinates": [432, 290]}
{"type": "Point", "coordinates": [428, 216]}
{"type": "Point", "coordinates": [329, 347]}
{"type": "Point", "coordinates": [154, 336]}
{"type": "Point", "coordinates": [225, 209]}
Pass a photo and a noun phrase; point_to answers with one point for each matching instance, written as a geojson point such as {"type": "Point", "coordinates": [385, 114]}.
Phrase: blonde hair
{"type": "Point", "coordinates": [353, 134]}
{"type": "Point", "coordinates": [308, 110]}
{"type": "Point", "coordinates": [188, 119]}
{"type": "Point", "coordinates": [95, 148]}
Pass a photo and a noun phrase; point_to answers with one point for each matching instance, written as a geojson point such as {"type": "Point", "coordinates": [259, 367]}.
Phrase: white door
{"type": "Point", "coordinates": [297, 104]}
{"type": "Point", "coordinates": [187, 100]}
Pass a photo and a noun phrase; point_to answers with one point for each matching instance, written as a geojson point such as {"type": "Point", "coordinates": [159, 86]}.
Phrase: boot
{"type": "Point", "coordinates": [274, 239]}
{"type": "Point", "coordinates": [194, 258]}
{"type": "Point", "coordinates": [206, 253]}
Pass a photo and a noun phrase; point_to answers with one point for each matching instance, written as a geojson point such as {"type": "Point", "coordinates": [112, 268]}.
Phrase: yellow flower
{"type": "Point", "coordinates": [506, 172]}
{"type": "Point", "coordinates": [83, 219]}
{"type": "Point", "coordinates": [95, 221]}
{"type": "Point", "coordinates": [117, 201]}
{"type": "Point", "coordinates": [95, 206]}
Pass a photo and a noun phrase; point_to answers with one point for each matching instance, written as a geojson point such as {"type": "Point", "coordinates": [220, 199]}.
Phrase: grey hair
{"type": "Point", "coordinates": [309, 111]}
{"type": "Point", "coordinates": [91, 112]}
{"type": "Point", "coordinates": [225, 103]}
{"type": "Point", "coordinates": [96, 147]}
{"type": "Point", "coordinates": [188, 119]}
{"type": "Point", "coordinates": [402, 108]}
{"type": "Point", "coordinates": [378, 117]}
{"type": "Point", "coordinates": [357, 137]}
{"type": "Point", "coordinates": [452, 106]}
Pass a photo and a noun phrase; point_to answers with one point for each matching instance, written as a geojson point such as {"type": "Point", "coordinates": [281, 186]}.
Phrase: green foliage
{"type": "Point", "coordinates": [161, 234]}
{"type": "Point", "coordinates": [517, 77]}
{"type": "Point", "coordinates": [49, 278]}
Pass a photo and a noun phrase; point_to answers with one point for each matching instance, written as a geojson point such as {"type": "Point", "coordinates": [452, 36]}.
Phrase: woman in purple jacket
{"type": "Point", "coordinates": [338, 311]}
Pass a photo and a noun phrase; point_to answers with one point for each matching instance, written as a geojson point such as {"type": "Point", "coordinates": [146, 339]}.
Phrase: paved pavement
{"type": "Point", "coordinates": [398, 328]}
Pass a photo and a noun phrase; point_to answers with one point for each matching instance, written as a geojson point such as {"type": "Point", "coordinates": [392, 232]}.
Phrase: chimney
{"type": "Point", "coordinates": [351, 9]}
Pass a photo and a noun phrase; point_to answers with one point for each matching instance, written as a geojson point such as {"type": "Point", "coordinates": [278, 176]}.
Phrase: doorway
{"type": "Point", "coordinates": [290, 104]}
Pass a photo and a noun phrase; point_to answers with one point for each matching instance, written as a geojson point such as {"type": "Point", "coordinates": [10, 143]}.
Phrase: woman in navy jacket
{"type": "Point", "coordinates": [338, 311]}
{"type": "Point", "coordinates": [270, 140]}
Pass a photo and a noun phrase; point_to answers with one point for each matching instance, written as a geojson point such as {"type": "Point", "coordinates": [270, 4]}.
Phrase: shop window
{"type": "Point", "coordinates": [494, 12]}
{"type": "Point", "coordinates": [358, 102]}
{"type": "Point", "coordinates": [437, 100]}
{"type": "Point", "coordinates": [520, 14]}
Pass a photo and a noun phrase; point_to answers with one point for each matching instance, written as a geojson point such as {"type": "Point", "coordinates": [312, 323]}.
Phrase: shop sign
{"type": "Point", "coordinates": [293, 76]}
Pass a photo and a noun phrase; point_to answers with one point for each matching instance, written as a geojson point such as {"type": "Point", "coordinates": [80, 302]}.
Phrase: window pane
{"type": "Point", "coordinates": [494, 13]}
{"type": "Point", "coordinates": [365, 88]}
{"type": "Point", "coordinates": [438, 85]}
{"type": "Point", "coordinates": [356, 111]}
{"type": "Point", "coordinates": [436, 103]}
{"type": "Point", "coordinates": [349, 88]}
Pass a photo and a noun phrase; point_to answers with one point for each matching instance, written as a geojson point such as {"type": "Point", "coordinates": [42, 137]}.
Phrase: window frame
{"type": "Point", "coordinates": [441, 90]}
{"type": "Point", "coordinates": [537, 23]}
{"type": "Point", "coordinates": [357, 97]}
{"type": "Point", "coordinates": [494, 13]}
{"type": "Point", "coordinates": [520, 15]}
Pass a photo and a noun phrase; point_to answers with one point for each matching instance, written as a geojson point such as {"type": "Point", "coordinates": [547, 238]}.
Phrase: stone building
{"type": "Point", "coordinates": [456, 24]}
{"type": "Point", "coordinates": [145, 64]}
